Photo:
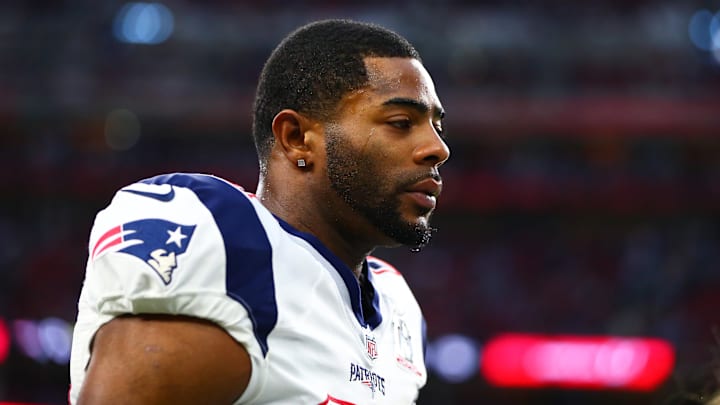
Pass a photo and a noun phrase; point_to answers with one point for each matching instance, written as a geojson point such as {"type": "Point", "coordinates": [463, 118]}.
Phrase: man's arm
{"type": "Point", "coordinates": [164, 359]}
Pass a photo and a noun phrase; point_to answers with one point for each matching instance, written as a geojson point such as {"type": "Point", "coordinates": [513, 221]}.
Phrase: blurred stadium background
{"type": "Point", "coordinates": [582, 197]}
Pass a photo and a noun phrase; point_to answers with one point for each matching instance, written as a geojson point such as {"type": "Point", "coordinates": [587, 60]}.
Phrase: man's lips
{"type": "Point", "coordinates": [425, 192]}
{"type": "Point", "coordinates": [429, 186]}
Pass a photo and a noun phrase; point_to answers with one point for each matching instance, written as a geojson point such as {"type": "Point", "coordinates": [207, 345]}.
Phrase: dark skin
{"type": "Point", "coordinates": [395, 123]}
{"type": "Point", "coordinates": [161, 359]}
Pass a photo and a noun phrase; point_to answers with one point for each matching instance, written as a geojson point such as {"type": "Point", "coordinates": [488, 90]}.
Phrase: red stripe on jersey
{"type": "Point", "coordinates": [112, 232]}
{"type": "Point", "coordinates": [334, 401]}
{"type": "Point", "coordinates": [386, 267]}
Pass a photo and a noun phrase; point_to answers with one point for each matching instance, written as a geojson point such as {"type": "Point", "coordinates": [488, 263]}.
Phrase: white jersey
{"type": "Point", "coordinates": [197, 245]}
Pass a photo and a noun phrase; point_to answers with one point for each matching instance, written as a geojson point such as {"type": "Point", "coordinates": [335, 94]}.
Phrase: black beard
{"type": "Point", "coordinates": [356, 181]}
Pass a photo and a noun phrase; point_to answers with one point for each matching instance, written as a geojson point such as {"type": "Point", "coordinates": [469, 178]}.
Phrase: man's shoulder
{"type": "Point", "coordinates": [194, 181]}
{"type": "Point", "coordinates": [180, 205]}
{"type": "Point", "coordinates": [172, 190]}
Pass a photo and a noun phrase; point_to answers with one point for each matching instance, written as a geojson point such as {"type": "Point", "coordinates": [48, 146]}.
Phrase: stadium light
{"type": "Point", "coordinates": [143, 23]}
{"type": "Point", "coordinates": [454, 358]}
{"type": "Point", "coordinates": [700, 31]}
{"type": "Point", "coordinates": [4, 341]}
{"type": "Point", "coordinates": [47, 339]}
{"type": "Point", "coordinates": [598, 362]}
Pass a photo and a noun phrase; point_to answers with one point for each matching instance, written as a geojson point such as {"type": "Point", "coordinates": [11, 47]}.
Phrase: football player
{"type": "Point", "coordinates": [197, 291]}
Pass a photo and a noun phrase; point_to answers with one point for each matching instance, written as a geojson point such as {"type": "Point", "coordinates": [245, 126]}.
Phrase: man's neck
{"type": "Point", "coordinates": [306, 215]}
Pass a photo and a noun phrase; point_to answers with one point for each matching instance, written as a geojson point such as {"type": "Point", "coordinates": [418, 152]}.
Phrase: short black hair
{"type": "Point", "coordinates": [314, 67]}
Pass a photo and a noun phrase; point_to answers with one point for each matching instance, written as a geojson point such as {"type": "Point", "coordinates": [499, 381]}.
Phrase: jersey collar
{"type": "Point", "coordinates": [371, 320]}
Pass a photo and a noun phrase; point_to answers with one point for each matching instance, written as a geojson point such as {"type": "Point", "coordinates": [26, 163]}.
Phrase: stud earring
{"type": "Point", "coordinates": [301, 163]}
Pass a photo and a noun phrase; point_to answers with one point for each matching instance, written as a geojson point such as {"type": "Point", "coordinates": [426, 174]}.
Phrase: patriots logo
{"type": "Point", "coordinates": [157, 242]}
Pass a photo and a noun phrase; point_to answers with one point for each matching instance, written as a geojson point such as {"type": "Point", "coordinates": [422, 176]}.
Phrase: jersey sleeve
{"type": "Point", "coordinates": [180, 244]}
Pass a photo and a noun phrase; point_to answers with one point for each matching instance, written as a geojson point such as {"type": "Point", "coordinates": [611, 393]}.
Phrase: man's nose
{"type": "Point", "coordinates": [432, 149]}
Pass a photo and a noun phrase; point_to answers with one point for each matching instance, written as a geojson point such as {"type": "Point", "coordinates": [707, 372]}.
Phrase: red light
{"type": "Point", "coordinates": [516, 360]}
{"type": "Point", "coordinates": [4, 341]}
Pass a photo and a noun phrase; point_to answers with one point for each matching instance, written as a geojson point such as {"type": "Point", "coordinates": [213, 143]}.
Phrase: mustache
{"type": "Point", "coordinates": [411, 180]}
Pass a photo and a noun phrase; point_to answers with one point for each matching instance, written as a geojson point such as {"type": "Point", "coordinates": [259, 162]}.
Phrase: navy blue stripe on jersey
{"type": "Point", "coordinates": [346, 274]}
{"type": "Point", "coordinates": [249, 275]}
{"type": "Point", "coordinates": [374, 265]}
{"type": "Point", "coordinates": [376, 318]}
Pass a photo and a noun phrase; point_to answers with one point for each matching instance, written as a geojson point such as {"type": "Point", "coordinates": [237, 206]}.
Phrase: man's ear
{"type": "Point", "coordinates": [296, 136]}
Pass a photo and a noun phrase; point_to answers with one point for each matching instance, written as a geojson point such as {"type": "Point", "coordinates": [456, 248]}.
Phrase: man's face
{"type": "Point", "coordinates": [384, 150]}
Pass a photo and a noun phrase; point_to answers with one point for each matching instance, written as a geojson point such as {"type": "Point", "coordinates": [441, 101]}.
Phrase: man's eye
{"type": "Point", "coordinates": [401, 124]}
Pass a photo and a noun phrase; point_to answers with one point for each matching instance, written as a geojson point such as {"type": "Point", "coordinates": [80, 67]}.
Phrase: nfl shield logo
{"type": "Point", "coordinates": [371, 346]}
